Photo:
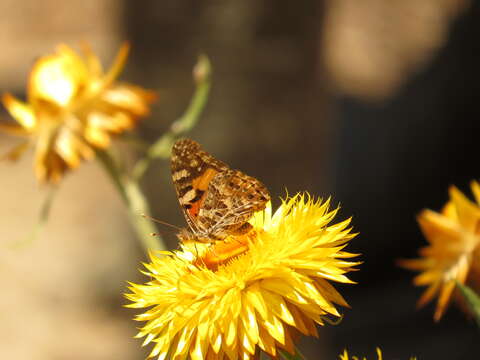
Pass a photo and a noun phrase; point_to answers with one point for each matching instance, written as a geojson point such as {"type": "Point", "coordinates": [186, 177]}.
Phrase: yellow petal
{"type": "Point", "coordinates": [344, 356]}
{"type": "Point", "coordinates": [437, 227]}
{"type": "Point", "coordinates": [13, 129]}
{"type": "Point", "coordinates": [429, 294]}
{"type": "Point", "coordinates": [117, 65]}
{"type": "Point", "coordinates": [443, 299]}
{"type": "Point", "coordinates": [57, 78]}
{"type": "Point", "coordinates": [20, 111]}
{"type": "Point", "coordinates": [476, 191]}
{"type": "Point", "coordinates": [450, 211]}
{"type": "Point", "coordinates": [17, 151]}
{"type": "Point", "coordinates": [249, 320]}
{"type": "Point", "coordinates": [114, 123]}
{"type": "Point", "coordinates": [129, 98]}
{"type": "Point", "coordinates": [92, 61]}
{"type": "Point", "coordinates": [468, 212]}
{"type": "Point", "coordinates": [97, 137]}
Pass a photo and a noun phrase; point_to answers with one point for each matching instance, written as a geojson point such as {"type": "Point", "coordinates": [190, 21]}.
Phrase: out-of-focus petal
{"type": "Point", "coordinates": [130, 98]}
{"type": "Point", "coordinates": [476, 191]}
{"type": "Point", "coordinates": [97, 137]}
{"type": "Point", "coordinates": [118, 64]}
{"type": "Point", "coordinates": [14, 129]}
{"type": "Point", "coordinates": [17, 151]}
{"type": "Point", "coordinates": [57, 78]}
{"type": "Point", "coordinates": [467, 211]}
{"type": "Point", "coordinates": [20, 111]}
{"type": "Point", "coordinates": [92, 61]}
{"type": "Point", "coordinates": [344, 356]}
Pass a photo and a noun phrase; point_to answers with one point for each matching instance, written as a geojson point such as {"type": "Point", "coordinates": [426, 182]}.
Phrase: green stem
{"type": "Point", "coordinates": [161, 148]}
{"type": "Point", "coordinates": [473, 300]}
{"type": "Point", "coordinates": [139, 213]}
{"type": "Point", "coordinates": [287, 356]}
{"type": "Point", "coordinates": [108, 164]}
{"type": "Point", "coordinates": [137, 205]}
{"type": "Point", "coordinates": [41, 221]}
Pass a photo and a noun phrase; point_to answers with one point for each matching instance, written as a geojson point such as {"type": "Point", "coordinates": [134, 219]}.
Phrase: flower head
{"type": "Point", "coordinates": [73, 107]}
{"type": "Point", "coordinates": [255, 291]}
{"type": "Point", "coordinates": [345, 356]}
{"type": "Point", "coordinates": [453, 253]}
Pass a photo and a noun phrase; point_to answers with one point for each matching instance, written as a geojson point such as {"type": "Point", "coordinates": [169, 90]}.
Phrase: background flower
{"type": "Point", "coordinates": [345, 356]}
{"type": "Point", "coordinates": [73, 107]}
{"type": "Point", "coordinates": [273, 287]}
{"type": "Point", "coordinates": [454, 237]}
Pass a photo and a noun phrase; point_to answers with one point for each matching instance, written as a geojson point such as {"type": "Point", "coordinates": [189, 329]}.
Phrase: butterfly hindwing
{"type": "Point", "coordinates": [231, 199]}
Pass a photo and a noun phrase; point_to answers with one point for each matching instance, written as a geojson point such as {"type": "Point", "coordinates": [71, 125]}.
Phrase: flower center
{"type": "Point", "coordinates": [222, 252]}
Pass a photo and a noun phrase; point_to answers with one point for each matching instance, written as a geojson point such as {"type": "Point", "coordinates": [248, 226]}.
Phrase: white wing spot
{"type": "Point", "coordinates": [180, 174]}
{"type": "Point", "coordinates": [189, 195]}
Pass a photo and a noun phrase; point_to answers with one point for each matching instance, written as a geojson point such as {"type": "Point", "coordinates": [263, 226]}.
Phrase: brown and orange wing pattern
{"type": "Point", "coordinates": [216, 200]}
{"type": "Point", "coordinates": [231, 199]}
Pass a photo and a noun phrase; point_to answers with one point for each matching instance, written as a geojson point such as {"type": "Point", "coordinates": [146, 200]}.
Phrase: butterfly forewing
{"type": "Point", "coordinates": [216, 200]}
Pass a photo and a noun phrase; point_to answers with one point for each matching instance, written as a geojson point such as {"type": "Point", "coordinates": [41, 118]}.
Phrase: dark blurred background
{"type": "Point", "coordinates": [372, 102]}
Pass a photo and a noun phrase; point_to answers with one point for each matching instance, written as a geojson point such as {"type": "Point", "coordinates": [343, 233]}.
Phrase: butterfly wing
{"type": "Point", "coordinates": [230, 201]}
{"type": "Point", "coordinates": [192, 169]}
{"type": "Point", "coordinates": [216, 200]}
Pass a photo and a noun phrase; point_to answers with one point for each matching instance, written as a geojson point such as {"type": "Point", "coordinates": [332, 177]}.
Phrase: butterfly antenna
{"type": "Point", "coordinates": [196, 250]}
{"type": "Point", "coordinates": [160, 222]}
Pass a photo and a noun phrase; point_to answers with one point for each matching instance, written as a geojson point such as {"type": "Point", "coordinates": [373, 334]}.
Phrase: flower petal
{"type": "Point", "coordinates": [57, 78]}
{"type": "Point", "coordinates": [20, 111]}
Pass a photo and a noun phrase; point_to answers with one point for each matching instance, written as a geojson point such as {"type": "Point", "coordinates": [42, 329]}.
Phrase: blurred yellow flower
{"type": "Point", "coordinates": [73, 107]}
{"type": "Point", "coordinates": [344, 356]}
{"type": "Point", "coordinates": [454, 251]}
{"type": "Point", "coordinates": [256, 291]}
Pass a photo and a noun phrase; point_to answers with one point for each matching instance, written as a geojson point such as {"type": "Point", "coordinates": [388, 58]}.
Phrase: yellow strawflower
{"type": "Point", "coordinates": [73, 107]}
{"type": "Point", "coordinates": [453, 253]}
{"type": "Point", "coordinates": [345, 356]}
{"type": "Point", "coordinates": [253, 292]}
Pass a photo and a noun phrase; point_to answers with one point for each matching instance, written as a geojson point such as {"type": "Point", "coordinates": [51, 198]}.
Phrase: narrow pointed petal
{"type": "Point", "coordinates": [20, 111]}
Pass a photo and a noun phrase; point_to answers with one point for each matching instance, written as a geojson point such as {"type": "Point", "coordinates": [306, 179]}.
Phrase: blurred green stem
{"type": "Point", "coordinates": [162, 147]}
{"type": "Point", "coordinates": [137, 205]}
{"type": "Point", "coordinates": [287, 356]}
{"type": "Point", "coordinates": [473, 300]}
{"type": "Point", "coordinates": [42, 219]}
{"type": "Point", "coordinates": [139, 213]}
{"type": "Point", "coordinates": [128, 186]}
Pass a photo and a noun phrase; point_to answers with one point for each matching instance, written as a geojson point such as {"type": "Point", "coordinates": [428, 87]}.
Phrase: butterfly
{"type": "Point", "coordinates": [216, 201]}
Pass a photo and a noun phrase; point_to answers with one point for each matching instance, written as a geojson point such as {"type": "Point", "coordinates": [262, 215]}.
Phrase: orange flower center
{"type": "Point", "coordinates": [222, 252]}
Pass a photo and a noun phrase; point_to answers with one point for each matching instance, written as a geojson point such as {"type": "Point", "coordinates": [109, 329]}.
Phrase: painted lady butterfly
{"type": "Point", "coordinates": [216, 200]}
